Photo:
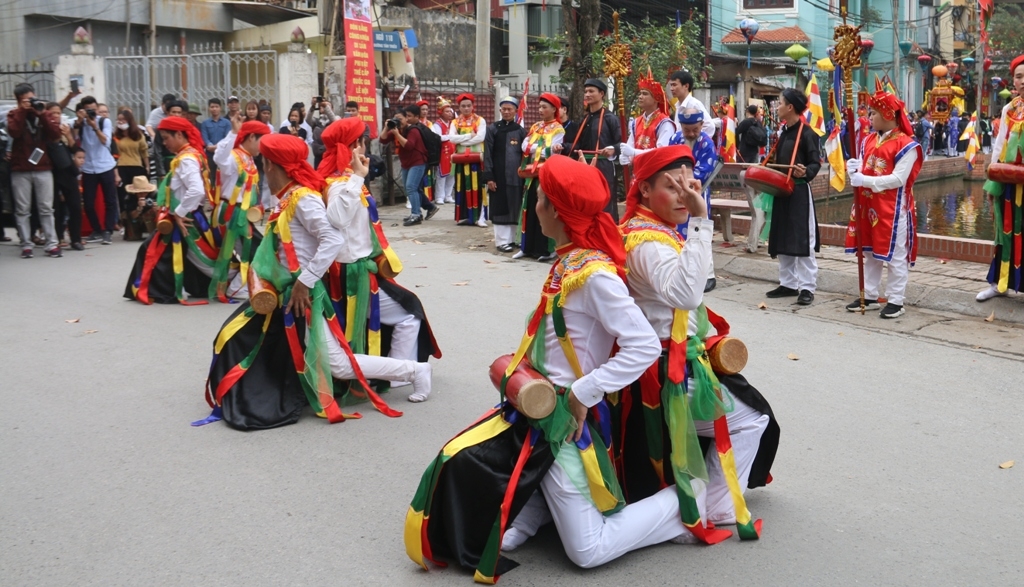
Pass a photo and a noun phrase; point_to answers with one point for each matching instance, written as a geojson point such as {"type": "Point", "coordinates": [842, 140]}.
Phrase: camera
{"type": "Point", "coordinates": [90, 112]}
{"type": "Point", "coordinates": [37, 104]}
{"type": "Point", "coordinates": [393, 123]}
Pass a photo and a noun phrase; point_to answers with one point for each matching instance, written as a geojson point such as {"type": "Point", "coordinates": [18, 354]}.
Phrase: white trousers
{"type": "Point", "coordinates": [899, 268]}
{"type": "Point", "coordinates": [504, 234]}
{"type": "Point", "coordinates": [801, 272]}
{"type": "Point", "coordinates": [384, 368]}
{"type": "Point", "coordinates": [405, 336]}
{"type": "Point", "coordinates": [444, 185]}
{"type": "Point", "coordinates": [746, 425]}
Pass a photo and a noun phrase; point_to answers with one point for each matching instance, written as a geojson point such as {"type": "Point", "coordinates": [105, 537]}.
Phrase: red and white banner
{"type": "Point", "coordinates": [359, 66]}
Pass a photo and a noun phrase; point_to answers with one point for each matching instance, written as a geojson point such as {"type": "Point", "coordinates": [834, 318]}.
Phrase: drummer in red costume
{"type": "Point", "coordinates": [444, 179]}
{"type": "Point", "coordinates": [653, 128]}
{"type": "Point", "coordinates": [891, 160]}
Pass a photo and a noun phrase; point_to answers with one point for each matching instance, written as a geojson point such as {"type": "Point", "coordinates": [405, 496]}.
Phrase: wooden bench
{"type": "Point", "coordinates": [724, 208]}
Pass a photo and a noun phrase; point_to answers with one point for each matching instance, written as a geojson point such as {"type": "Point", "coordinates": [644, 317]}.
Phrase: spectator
{"type": "Point", "coordinates": [193, 114]}
{"type": "Point", "coordinates": [266, 115]}
{"type": "Point", "coordinates": [233, 106]}
{"type": "Point", "coordinates": [213, 129]}
{"type": "Point", "coordinates": [100, 170]}
{"type": "Point", "coordinates": [32, 130]}
{"type": "Point", "coordinates": [750, 142]}
{"type": "Point", "coordinates": [159, 113]}
{"type": "Point", "coordinates": [302, 121]}
{"type": "Point", "coordinates": [163, 155]}
{"type": "Point", "coordinates": [404, 130]}
{"type": "Point", "coordinates": [294, 125]}
{"type": "Point", "coordinates": [320, 115]}
{"type": "Point", "coordinates": [133, 162]}
{"type": "Point", "coordinates": [67, 195]}
{"type": "Point", "coordinates": [352, 109]}
{"type": "Point", "coordinates": [252, 110]}
{"type": "Point", "coordinates": [102, 110]}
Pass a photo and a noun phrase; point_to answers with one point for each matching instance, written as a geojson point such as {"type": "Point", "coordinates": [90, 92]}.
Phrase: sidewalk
{"type": "Point", "coordinates": [935, 284]}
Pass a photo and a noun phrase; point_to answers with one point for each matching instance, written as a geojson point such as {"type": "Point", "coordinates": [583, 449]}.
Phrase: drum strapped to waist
{"type": "Point", "coordinates": [254, 214]}
{"type": "Point", "coordinates": [771, 181]}
{"type": "Point", "coordinates": [467, 158]}
{"type": "Point", "coordinates": [164, 222]}
{"type": "Point", "coordinates": [1006, 173]}
{"type": "Point", "coordinates": [728, 355]}
{"type": "Point", "coordinates": [262, 295]}
{"type": "Point", "coordinates": [530, 170]}
{"type": "Point", "coordinates": [384, 268]}
{"type": "Point", "coordinates": [527, 390]}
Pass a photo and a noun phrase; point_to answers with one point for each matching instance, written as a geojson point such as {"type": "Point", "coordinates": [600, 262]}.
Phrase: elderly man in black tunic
{"type": "Point", "coordinates": [503, 153]}
{"type": "Point", "coordinates": [597, 137]}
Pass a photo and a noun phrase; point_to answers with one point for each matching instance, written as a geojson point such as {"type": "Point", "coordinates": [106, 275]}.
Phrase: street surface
{"type": "Point", "coordinates": [887, 474]}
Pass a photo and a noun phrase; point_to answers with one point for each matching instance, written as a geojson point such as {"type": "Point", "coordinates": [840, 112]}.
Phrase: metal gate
{"type": "Point", "coordinates": [139, 81]}
{"type": "Point", "coordinates": [40, 76]}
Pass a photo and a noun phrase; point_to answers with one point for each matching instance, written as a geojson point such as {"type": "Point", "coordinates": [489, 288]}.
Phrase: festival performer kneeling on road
{"type": "Point", "coordinates": [481, 479]}
{"type": "Point", "coordinates": [266, 367]}
{"type": "Point", "coordinates": [889, 164]}
{"type": "Point", "coordinates": [379, 317]}
{"type": "Point", "coordinates": [178, 260]}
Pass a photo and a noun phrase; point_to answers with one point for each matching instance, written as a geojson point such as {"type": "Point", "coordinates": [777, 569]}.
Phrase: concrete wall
{"type": "Point", "coordinates": [447, 44]}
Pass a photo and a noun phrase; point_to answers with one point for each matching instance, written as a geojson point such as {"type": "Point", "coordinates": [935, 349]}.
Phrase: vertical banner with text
{"type": "Point", "coordinates": [360, 77]}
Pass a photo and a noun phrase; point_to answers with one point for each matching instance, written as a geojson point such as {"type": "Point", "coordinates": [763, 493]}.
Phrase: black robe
{"type": "Point", "coordinates": [503, 152]}
{"type": "Point", "coordinates": [583, 137]}
{"type": "Point", "coordinates": [789, 233]}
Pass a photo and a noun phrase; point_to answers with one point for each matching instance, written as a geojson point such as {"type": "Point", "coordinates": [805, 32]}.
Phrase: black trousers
{"type": "Point", "coordinates": [90, 181]}
{"type": "Point", "coordinates": [67, 203]}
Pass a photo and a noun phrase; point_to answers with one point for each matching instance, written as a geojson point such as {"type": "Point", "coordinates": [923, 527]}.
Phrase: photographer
{"type": "Point", "coordinates": [406, 131]}
{"type": "Point", "coordinates": [67, 197]}
{"type": "Point", "coordinates": [97, 133]}
{"type": "Point", "coordinates": [320, 115]}
{"type": "Point", "coordinates": [32, 130]}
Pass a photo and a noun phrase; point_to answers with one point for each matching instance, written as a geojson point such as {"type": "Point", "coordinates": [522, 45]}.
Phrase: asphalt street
{"type": "Point", "coordinates": [887, 474]}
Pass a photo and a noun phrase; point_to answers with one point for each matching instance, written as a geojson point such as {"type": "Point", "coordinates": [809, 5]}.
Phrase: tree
{"type": "Point", "coordinates": [1004, 32]}
{"type": "Point", "coordinates": [581, 27]}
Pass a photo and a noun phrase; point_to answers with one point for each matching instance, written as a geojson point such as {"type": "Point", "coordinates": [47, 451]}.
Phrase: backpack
{"type": "Point", "coordinates": [919, 131]}
{"type": "Point", "coordinates": [755, 136]}
{"type": "Point", "coordinates": [433, 144]}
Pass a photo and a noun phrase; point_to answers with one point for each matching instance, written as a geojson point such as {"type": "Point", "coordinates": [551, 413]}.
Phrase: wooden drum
{"type": "Point", "coordinates": [384, 268]}
{"type": "Point", "coordinates": [1006, 173]}
{"type": "Point", "coordinates": [262, 295]}
{"type": "Point", "coordinates": [164, 222]}
{"type": "Point", "coordinates": [728, 355]}
{"type": "Point", "coordinates": [467, 158]}
{"type": "Point", "coordinates": [254, 214]}
{"type": "Point", "coordinates": [527, 390]}
{"type": "Point", "coordinates": [769, 181]}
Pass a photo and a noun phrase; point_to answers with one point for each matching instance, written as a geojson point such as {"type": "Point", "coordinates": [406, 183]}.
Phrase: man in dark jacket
{"type": "Point", "coordinates": [32, 130]}
{"type": "Point", "coordinates": [599, 132]}
{"type": "Point", "coordinates": [503, 153]}
{"type": "Point", "coordinates": [748, 147]}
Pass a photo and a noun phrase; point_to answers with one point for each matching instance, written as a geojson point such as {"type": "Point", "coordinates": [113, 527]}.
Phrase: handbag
{"type": "Point", "coordinates": [60, 157]}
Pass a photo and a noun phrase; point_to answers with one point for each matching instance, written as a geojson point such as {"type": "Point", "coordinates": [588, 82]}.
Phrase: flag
{"type": "Point", "coordinates": [836, 104]}
{"type": "Point", "coordinates": [521, 112]}
{"type": "Point", "coordinates": [729, 144]}
{"type": "Point", "coordinates": [836, 164]}
{"type": "Point", "coordinates": [815, 114]}
{"type": "Point", "coordinates": [971, 136]}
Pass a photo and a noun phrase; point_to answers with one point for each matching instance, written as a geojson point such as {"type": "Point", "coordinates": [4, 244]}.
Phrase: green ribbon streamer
{"type": "Point", "coordinates": [706, 403]}
{"type": "Point", "coordinates": [357, 285]}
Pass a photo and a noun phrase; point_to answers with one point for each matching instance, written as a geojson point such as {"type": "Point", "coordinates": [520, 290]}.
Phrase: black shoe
{"type": "Point", "coordinates": [892, 311]}
{"type": "Point", "coordinates": [805, 298]}
{"type": "Point", "coordinates": [106, 238]}
{"type": "Point", "coordinates": [506, 248]}
{"type": "Point", "coordinates": [782, 292]}
{"type": "Point", "coordinates": [710, 285]}
{"type": "Point", "coordinates": [77, 246]}
{"type": "Point", "coordinates": [547, 258]}
{"type": "Point", "coordinates": [431, 212]}
{"type": "Point", "coordinates": [869, 305]}
{"type": "Point", "coordinates": [95, 237]}
{"type": "Point", "coordinates": [463, 222]}
{"type": "Point", "coordinates": [413, 220]}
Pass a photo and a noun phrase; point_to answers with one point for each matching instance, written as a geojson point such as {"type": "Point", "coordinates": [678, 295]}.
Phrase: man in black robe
{"type": "Point", "coordinates": [503, 153]}
{"type": "Point", "coordinates": [599, 132]}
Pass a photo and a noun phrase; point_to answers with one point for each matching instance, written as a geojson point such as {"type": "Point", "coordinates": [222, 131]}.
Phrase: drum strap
{"type": "Point", "coordinates": [597, 143]}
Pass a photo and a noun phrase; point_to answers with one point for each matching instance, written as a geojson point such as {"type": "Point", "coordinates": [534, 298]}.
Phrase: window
{"type": "Point", "coordinates": [766, 4]}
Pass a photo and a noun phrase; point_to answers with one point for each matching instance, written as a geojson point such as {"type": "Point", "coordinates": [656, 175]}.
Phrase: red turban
{"type": "Point", "coordinates": [290, 153]}
{"type": "Point", "coordinates": [891, 108]}
{"type": "Point", "coordinates": [337, 137]}
{"type": "Point", "coordinates": [1018, 60]}
{"type": "Point", "coordinates": [579, 193]}
{"type": "Point", "coordinates": [646, 165]}
{"type": "Point", "coordinates": [553, 100]}
{"type": "Point", "coordinates": [422, 103]}
{"type": "Point", "coordinates": [177, 123]}
{"type": "Point", "coordinates": [465, 96]}
{"type": "Point", "coordinates": [251, 127]}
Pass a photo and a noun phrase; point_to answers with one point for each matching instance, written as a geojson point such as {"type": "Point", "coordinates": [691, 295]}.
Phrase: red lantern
{"type": "Point", "coordinates": [986, 64]}
{"type": "Point", "coordinates": [956, 78]}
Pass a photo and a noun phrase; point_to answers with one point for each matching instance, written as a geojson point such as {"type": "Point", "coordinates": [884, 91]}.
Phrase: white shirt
{"type": "Point", "coordinates": [346, 212]}
{"type": "Point", "coordinates": [664, 133]}
{"type": "Point", "coordinates": [661, 280]}
{"type": "Point", "coordinates": [708, 127]}
{"type": "Point", "coordinates": [316, 242]}
{"type": "Point", "coordinates": [187, 185]}
{"type": "Point", "coordinates": [224, 157]}
{"type": "Point", "coordinates": [596, 316]}
{"type": "Point", "coordinates": [898, 177]}
{"type": "Point", "coordinates": [436, 127]}
{"type": "Point", "coordinates": [155, 116]}
{"type": "Point", "coordinates": [467, 139]}
{"type": "Point", "coordinates": [1004, 132]}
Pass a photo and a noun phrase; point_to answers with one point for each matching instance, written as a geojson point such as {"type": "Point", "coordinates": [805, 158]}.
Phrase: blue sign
{"type": "Point", "coordinates": [389, 42]}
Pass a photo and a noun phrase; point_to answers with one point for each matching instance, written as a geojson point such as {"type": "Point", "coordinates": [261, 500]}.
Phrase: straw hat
{"type": "Point", "coordinates": [140, 184]}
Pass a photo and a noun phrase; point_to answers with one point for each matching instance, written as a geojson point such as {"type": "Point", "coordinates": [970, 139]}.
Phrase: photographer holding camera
{"type": "Point", "coordinates": [97, 133]}
{"type": "Point", "coordinates": [406, 131]}
{"type": "Point", "coordinates": [31, 130]}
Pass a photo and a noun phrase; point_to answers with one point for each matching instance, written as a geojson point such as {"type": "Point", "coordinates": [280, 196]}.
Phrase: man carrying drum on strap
{"type": "Point", "coordinates": [179, 259]}
{"type": "Point", "coordinates": [889, 164]}
{"type": "Point", "coordinates": [468, 134]}
{"type": "Point", "coordinates": [705, 156]}
{"type": "Point", "coordinates": [378, 316]}
{"type": "Point", "coordinates": [597, 138]}
{"type": "Point", "coordinates": [680, 397]}
{"type": "Point", "coordinates": [653, 128]}
{"type": "Point", "coordinates": [267, 367]}
{"type": "Point", "coordinates": [584, 311]}
{"type": "Point", "coordinates": [237, 199]}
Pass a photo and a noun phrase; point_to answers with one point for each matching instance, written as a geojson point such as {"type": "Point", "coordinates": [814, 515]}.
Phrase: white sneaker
{"type": "Point", "coordinates": [519, 254]}
{"type": "Point", "coordinates": [512, 539]}
{"type": "Point", "coordinates": [684, 538]}
{"type": "Point", "coordinates": [988, 294]}
{"type": "Point", "coordinates": [481, 223]}
{"type": "Point", "coordinates": [421, 383]}
{"type": "Point", "coordinates": [408, 204]}
{"type": "Point", "coordinates": [439, 202]}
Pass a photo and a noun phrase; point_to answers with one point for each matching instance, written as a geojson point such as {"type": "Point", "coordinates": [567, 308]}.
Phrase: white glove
{"type": "Point", "coordinates": [853, 165]}
{"type": "Point", "coordinates": [626, 150]}
{"type": "Point", "coordinates": [856, 179]}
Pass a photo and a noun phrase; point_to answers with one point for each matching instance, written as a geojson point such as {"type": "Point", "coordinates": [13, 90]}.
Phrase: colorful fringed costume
{"type": "Point", "coordinates": [537, 148]}
{"type": "Point", "coordinates": [467, 135]}
{"type": "Point", "coordinates": [231, 218]}
{"type": "Point", "coordinates": [1005, 274]}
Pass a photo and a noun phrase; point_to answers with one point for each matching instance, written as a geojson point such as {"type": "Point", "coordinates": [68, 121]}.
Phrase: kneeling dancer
{"type": "Point", "coordinates": [263, 365]}
{"type": "Point", "coordinates": [481, 480]}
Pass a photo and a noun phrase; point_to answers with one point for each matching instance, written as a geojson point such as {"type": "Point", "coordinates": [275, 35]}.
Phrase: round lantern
{"type": "Point", "coordinates": [968, 62]}
{"type": "Point", "coordinates": [940, 71]}
{"type": "Point", "coordinates": [749, 28]}
{"type": "Point", "coordinates": [866, 45]}
{"type": "Point", "coordinates": [923, 61]}
{"type": "Point", "coordinates": [1005, 94]}
{"type": "Point", "coordinates": [797, 52]}
{"type": "Point", "coordinates": [995, 81]}
{"type": "Point", "coordinates": [986, 64]}
{"type": "Point", "coordinates": [952, 66]}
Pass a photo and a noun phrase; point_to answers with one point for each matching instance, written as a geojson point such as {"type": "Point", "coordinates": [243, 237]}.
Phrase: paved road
{"type": "Point", "coordinates": [887, 473]}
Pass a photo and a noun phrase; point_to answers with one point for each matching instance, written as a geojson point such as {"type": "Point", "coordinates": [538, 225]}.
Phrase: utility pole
{"type": "Point", "coordinates": [898, 81]}
{"type": "Point", "coordinates": [483, 41]}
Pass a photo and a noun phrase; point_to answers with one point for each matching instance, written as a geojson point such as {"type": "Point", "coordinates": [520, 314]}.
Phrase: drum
{"type": "Point", "coordinates": [527, 390]}
{"type": "Point", "coordinates": [384, 268]}
{"type": "Point", "coordinates": [467, 158]}
{"type": "Point", "coordinates": [530, 170]}
{"type": "Point", "coordinates": [262, 295]}
{"type": "Point", "coordinates": [1006, 173]}
{"type": "Point", "coordinates": [164, 223]}
{"type": "Point", "coordinates": [728, 356]}
{"type": "Point", "coordinates": [254, 214]}
{"type": "Point", "coordinates": [769, 181]}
